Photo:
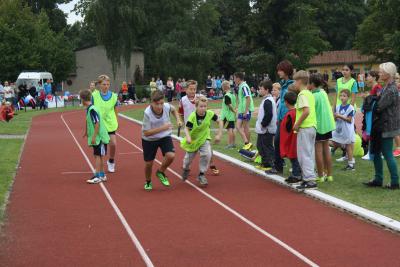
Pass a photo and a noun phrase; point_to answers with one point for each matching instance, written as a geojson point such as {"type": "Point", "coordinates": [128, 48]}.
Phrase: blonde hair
{"type": "Point", "coordinates": [85, 95]}
{"type": "Point", "coordinates": [191, 82]}
{"type": "Point", "coordinates": [301, 75]}
{"type": "Point", "coordinates": [389, 68]}
{"type": "Point", "coordinates": [201, 98]}
{"type": "Point", "coordinates": [226, 84]}
{"type": "Point", "coordinates": [103, 78]}
{"type": "Point", "coordinates": [278, 85]}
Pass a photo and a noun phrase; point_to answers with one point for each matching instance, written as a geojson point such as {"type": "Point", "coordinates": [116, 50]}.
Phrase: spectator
{"type": "Point", "coordinates": [178, 89]}
{"type": "Point", "coordinates": [208, 83]}
{"type": "Point", "coordinates": [47, 87]}
{"type": "Point", "coordinates": [32, 90]}
{"type": "Point", "coordinates": [132, 91]}
{"type": "Point", "coordinates": [386, 125]}
{"type": "Point", "coordinates": [160, 85]}
{"type": "Point", "coordinates": [184, 86]}
{"type": "Point", "coordinates": [124, 91]}
{"type": "Point", "coordinates": [325, 76]}
{"type": "Point", "coordinates": [9, 93]}
{"type": "Point", "coordinates": [153, 85]}
{"type": "Point", "coordinates": [170, 89]}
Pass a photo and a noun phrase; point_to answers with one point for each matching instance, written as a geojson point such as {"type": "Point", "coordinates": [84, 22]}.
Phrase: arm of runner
{"type": "Point", "coordinates": [217, 138]}
{"type": "Point", "coordinates": [187, 134]}
{"type": "Point", "coordinates": [176, 115]}
{"type": "Point", "coordinates": [96, 131]}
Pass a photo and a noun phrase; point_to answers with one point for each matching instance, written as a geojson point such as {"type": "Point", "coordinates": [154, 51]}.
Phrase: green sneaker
{"type": "Point", "coordinates": [148, 186]}
{"type": "Point", "coordinates": [320, 179]}
{"type": "Point", "coordinates": [163, 178]}
{"type": "Point", "coordinates": [329, 178]}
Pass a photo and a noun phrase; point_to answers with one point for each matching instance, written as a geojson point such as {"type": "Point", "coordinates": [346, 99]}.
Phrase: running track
{"type": "Point", "coordinates": [55, 219]}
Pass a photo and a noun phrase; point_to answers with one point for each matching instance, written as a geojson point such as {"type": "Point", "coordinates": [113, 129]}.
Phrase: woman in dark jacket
{"type": "Point", "coordinates": [386, 125]}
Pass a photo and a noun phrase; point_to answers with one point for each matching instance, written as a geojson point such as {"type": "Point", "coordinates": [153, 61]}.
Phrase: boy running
{"type": "Point", "coordinates": [197, 139]}
{"type": "Point", "coordinates": [156, 133]}
{"type": "Point", "coordinates": [244, 110]}
{"type": "Point", "coordinates": [106, 102]}
{"type": "Point", "coordinates": [97, 136]}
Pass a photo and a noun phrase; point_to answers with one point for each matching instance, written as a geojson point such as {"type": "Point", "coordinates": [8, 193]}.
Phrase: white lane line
{"type": "Point", "coordinates": [237, 214]}
{"type": "Point", "coordinates": [121, 217]}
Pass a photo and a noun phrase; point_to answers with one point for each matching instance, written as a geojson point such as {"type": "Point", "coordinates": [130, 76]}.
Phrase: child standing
{"type": "Point", "coordinates": [305, 126]}
{"type": "Point", "coordinates": [344, 134]}
{"type": "Point", "coordinates": [244, 109]}
{"type": "Point", "coordinates": [156, 133]}
{"type": "Point", "coordinates": [228, 113]}
{"type": "Point", "coordinates": [106, 102]}
{"type": "Point", "coordinates": [266, 128]}
{"type": "Point", "coordinates": [325, 126]}
{"type": "Point", "coordinates": [276, 91]}
{"type": "Point", "coordinates": [197, 139]}
{"type": "Point", "coordinates": [288, 138]}
{"type": "Point", "coordinates": [97, 135]}
{"type": "Point", "coordinates": [187, 106]}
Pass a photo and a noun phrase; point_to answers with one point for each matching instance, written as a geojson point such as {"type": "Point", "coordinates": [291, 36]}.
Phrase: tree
{"type": "Point", "coordinates": [81, 34]}
{"type": "Point", "coordinates": [379, 33]}
{"type": "Point", "coordinates": [27, 42]}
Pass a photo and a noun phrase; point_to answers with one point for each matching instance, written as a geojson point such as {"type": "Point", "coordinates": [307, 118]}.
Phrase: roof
{"type": "Point", "coordinates": [340, 57]}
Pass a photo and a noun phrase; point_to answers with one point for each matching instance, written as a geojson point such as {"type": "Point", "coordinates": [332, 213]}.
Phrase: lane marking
{"type": "Point", "coordinates": [235, 213]}
{"type": "Point", "coordinates": [121, 217]}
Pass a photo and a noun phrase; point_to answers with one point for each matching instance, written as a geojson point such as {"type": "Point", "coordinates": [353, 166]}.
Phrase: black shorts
{"type": "Point", "coordinates": [230, 125]}
{"type": "Point", "coordinates": [113, 132]}
{"type": "Point", "coordinates": [100, 150]}
{"type": "Point", "coordinates": [150, 147]}
{"type": "Point", "coordinates": [323, 137]}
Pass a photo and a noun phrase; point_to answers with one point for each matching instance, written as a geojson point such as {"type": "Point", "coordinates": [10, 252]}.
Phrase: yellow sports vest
{"type": "Point", "coordinates": [311, 120]}
{"type": "Point", "coordinates": [340, 86]}
{"type": "Point", "coordinates": [107, 110]}
{"type": "Point", "coordinates": [199, 133]}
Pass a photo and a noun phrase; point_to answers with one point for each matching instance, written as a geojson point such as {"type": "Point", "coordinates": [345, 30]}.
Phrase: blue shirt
{"type": "Point", "coordinates": [47, 88]}
{"type": "Point", "coordinates": [282, 110]}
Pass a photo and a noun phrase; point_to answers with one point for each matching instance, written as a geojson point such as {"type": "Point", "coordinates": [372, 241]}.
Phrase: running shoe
{"type": "Point", "coordinates": [214, 170]}
{"type": "Point", "coordinates": [329, 178]}
{"type": "Point", "coordinates": [372, 183]}
{"type": "Point", "coordinates": [349, 168]}
{"type": "Point", "coordinates": [230, 146]}
{"type": "Point", "coordinates": [342, 159]}
{"type": "Point", "coordinates": [148, 186]}
{"type": "Point", "coordinates": [111, 166]}
{"type": "Point", "coordinates": [293, 180]}
{"type": "Point", "coordinates": [396, 153]}
{"type": "Point", "coordinates": [366, 157]}
{"type": "Point", "coordinates": [307, 185]}
{"type": "Point", "coordinates": [392, 186]}
{"type": "Point", "coordinates": [272, 171]}
{"type": "Point", "coordinates": [262, 168]}
{"type": "Point", "coordinates": [163, 179]}
{"type": "Point", "coordinates": [202, 180]}
{"type": "Point", "coordinates": [94, 180]}
{"type": "Point", "coordinates": [104, 178]}
{"type": "Point", "coordinates": [185, 174]}
{"type": "Point", "coordinates": [248, 146]}
{"type": "Point", "coordinates": [320, 179]}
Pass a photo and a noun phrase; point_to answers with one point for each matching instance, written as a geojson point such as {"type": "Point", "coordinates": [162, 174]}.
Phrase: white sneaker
{"type": "Point", "coordinates": [366, 157]}
{"type": "Point", "coordinates": [342, 159]}
{"type": "Point", "coordinates": [103, 179]}
{"type": "Point", "coordinates": [94, 180]}
{"type": "Point", "coordinates": [111, 166]}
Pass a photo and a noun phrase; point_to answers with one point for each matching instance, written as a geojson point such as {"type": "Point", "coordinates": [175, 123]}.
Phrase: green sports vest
{"type": "Point", "coordinates": [311, 120]}
{"type": "Point", "coordinates": [107, 110]}
{"type": "Point", "coordinates": [226, 112]}
{"type": "Point", "coordinates": [199, 133]}
{"type": "Point", "coordinates": [102, 135]}
{"type": "Point", "coordinates": [242, 99]}
{"type": "Point", "coordinates": [340, 86]}
{"type": "Point", "coordinates": [325, 120]}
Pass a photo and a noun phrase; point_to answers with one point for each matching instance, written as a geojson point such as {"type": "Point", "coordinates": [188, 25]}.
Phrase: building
{"type": "Point", "coordinates": [92, 61]}
{"type": "Point", "coordinates": [331, 61]}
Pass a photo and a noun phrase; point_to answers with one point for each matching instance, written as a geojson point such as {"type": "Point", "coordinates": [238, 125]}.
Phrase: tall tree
{"type": "Point", "coordinates": [379, 33]}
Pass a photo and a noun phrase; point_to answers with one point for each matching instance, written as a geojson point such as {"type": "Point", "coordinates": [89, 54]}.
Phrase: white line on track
{"type": "Point", "coordinates": [121, 217]}
{"type": "Point", "coordinates": [237, 214]}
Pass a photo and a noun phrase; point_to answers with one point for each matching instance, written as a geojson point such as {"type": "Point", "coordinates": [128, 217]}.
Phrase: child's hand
{"type": "Point", "coordinates": [168, 126]}
{"type": "Point", "coordinates": [296, 127]}
{"type": "Point", "coordinates": [217, 139]}
{"type": "Point", "coordinates": [93, 140]}
{"type": "Point", "coordinates": [180, 123]}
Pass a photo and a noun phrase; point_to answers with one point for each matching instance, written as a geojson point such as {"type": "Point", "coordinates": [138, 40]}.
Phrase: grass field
{"type": "Point", "coordinates": [347, 185]}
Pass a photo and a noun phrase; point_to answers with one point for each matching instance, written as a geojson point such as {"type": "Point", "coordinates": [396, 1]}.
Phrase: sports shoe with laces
{"type": "Point", "coordinates": [103, 179]}
{"type": "Point", "coordinates": [94, 180]}
{"type": "Point", "coordinates": [320, 179]}
{"type": "Point", "coordinates": [307, 185]}
{"type": "Point", "coordinates": [185, 174]}
{"type": "Point", "coordinates": [349, 168]}
{"type": "Point", "coordinates": [111, 166]}
{"type": "Point", "coordinates": [163, 179]}
{"type": "Point", "coordinates": [148, 186]}
{"type": "Point", "coordinates": [248, 146]}
{"type": "Point", "coordinates": [329, 178]}
{"type": "Point", "coordinates": [293, 180]}
{"type": "Point", "coordinates": [262, 168]}
{"type": "Point", "coordinates": [342, 159]}
{"type": "Point", "coordinates": [202, 179]}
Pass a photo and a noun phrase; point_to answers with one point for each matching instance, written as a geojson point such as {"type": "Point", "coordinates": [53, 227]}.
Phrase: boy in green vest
{"type": "Point", "coordinates": [305, 126]}
{"type": "Point", "coordinates": [97, 135]}
{"type": "Point", "coordinates": [244, 109]}
{"type": "Point", "coordinates": [228, 113]}
{"type": "Point", "coordinates": [198, 136]}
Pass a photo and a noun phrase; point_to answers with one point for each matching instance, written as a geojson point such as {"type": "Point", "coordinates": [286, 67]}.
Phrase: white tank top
{"type": "Point", "coordinates": [188, 107]}
{"type": "Point", "coordinates": [152, 121]}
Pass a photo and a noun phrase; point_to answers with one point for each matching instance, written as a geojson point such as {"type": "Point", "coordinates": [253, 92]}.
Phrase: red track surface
{"type": "Point", "coordinates": [55, 219]}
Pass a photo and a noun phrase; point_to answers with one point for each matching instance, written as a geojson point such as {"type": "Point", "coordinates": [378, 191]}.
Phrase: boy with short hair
{"type": "Point", "coordinates": [244, 109]}
{"type": "Point", "coordinates": [156, 133]}
{"type": "Point", "coordinates": [305, 126]}
{"type": "Point", "coordinates": [97, 135]}
{"type": "Point", "coordinates": [197, 139]}
{"type": "Point", "coordinates": [266, 128]}
{"type": "Point", "coordinates": [228, 113]}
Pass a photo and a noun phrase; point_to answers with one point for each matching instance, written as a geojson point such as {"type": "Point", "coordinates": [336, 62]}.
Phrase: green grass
{"type": "Point", "coordinates": [20, 124]}
{"type": "Point", "coordinates": [10, 150]}
{"type": "Point", "coordinates": [347, 185]}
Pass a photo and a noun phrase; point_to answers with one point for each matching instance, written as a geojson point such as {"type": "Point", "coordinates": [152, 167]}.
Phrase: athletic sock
{"type": "Point", "coordinates": [101, 174]}
{"type": "Point", "coordinates": [111, 160]}
{"type": "Point", "coordinates": [97, 174]}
